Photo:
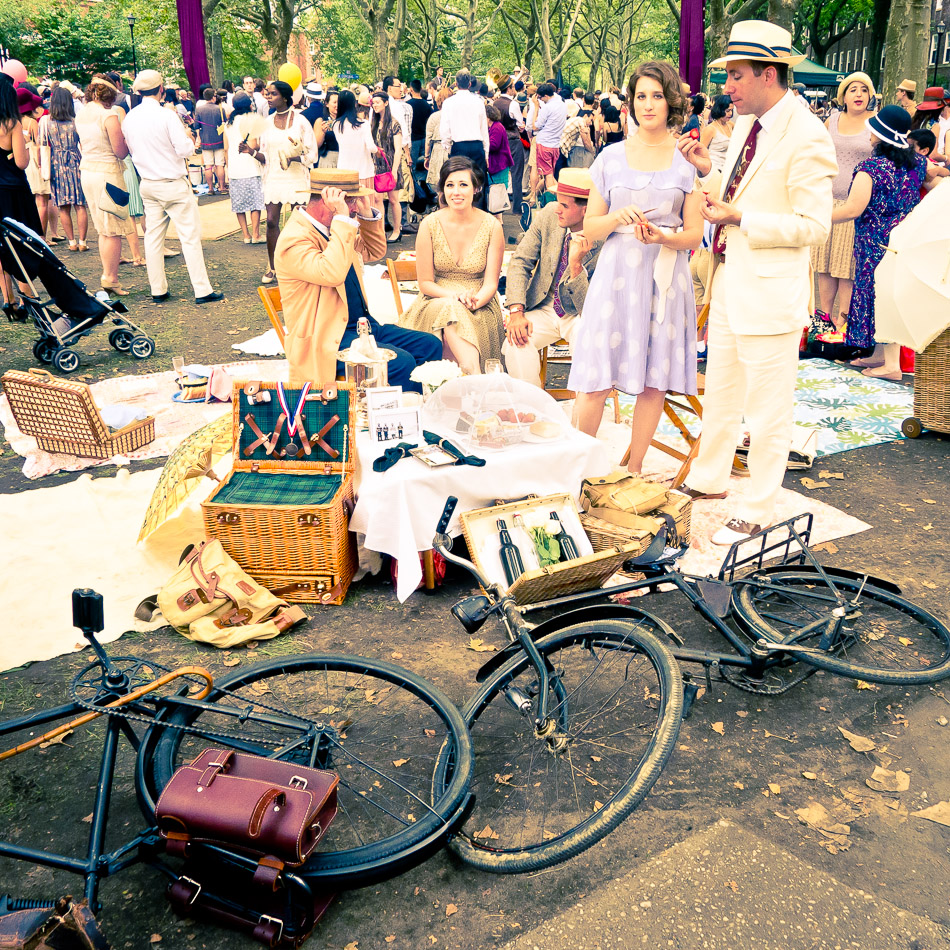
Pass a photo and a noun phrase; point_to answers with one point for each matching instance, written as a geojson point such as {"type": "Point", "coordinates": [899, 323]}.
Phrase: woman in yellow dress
{"type": "Point", "coordinates": [459, 251]}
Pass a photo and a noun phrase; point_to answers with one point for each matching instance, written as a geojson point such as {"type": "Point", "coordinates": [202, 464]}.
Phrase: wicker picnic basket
{"type": "Point", "coordinates": [931, 389]}
{"type": "Point", "coordinates": [286, 520]}
{"type": "Point", "coordinates": [605, 536]}
{"type": "Point", "coordinates": [62, 416]}
{"type": "Point", "coordinates": [535, 586]}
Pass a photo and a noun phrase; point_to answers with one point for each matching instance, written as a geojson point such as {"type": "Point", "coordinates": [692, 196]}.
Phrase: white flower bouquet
{"type": "Point", "coordinates": [433, 374]}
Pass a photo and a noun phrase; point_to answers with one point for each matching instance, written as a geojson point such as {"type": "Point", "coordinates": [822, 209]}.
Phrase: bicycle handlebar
{"type": "Point", "coordinates": [447, 513]}
{"type": "Point", "coordinates": [443, 543]}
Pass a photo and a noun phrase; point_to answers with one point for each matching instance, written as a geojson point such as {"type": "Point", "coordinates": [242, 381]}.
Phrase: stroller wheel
{"type": "Point", "coordinates": [142, 346]}
{"type": "Point", "coordinates": [66, 360]}
{"type": "Point", "coordinates": [121, 340]}
{"type": "Point", "coordinates": [43, 350]}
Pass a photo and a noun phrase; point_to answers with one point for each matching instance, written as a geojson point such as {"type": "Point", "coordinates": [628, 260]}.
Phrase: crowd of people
{"type": "Point", "coordinates": [638, 206]}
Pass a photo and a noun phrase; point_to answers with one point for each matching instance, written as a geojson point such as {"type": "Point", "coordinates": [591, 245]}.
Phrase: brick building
{"type": "Point", "coordinates": [851, 53]}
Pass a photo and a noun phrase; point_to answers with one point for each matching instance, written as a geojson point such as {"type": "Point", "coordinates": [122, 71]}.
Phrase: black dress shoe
{"type": "Point", "coordinates": [160, 298]}
{"type": "Point", "coordinates": [210, 298]}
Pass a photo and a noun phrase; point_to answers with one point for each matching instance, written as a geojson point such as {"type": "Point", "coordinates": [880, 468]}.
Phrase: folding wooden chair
{"type": "Point", "coordinates": [270, 297]}
{"type": "Point", "coordinates": [400, 271]}
{"type": "Point", "coordinates": [674, 407]}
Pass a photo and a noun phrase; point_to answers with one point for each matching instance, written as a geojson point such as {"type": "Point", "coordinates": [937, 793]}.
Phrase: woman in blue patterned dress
{"type": "Point", "coordinates": [638, 328]}
{"type": "Point", "coordinates": [65, 185]}
{"type": "Point", "coordinates": [884, 190]}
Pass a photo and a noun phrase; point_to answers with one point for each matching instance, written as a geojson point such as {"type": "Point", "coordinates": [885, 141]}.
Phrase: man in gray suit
{"type": "Point", "coordinates": [548, 277]}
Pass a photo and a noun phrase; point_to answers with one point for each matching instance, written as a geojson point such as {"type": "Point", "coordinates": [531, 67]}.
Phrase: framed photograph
{"type": "Point", "coordinates": [383, 397]}
{"type": "Point", "coordinates": [401, 424]}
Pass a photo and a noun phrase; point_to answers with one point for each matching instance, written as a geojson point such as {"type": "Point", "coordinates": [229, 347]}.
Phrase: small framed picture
{"type": "Point", "coordinates": [433, 456]}
{"type": "Point", "coordinates": [383, 397]}
{"type": "Point", "coordinates": [395, 425]}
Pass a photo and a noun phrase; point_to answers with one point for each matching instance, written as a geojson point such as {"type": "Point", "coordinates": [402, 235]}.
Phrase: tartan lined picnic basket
{"type": "Point", "coordinates": [62, 416]}
{"type": "Point", "coordinates": [283, 513]}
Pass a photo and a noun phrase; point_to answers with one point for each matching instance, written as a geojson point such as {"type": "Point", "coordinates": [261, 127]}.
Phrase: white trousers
{"type": "Point", "coordinates": [754, 377]}
{"type": "Point", "coordinates": [524, 362]}
{"type": "Point", "coordinates": [167, 201]}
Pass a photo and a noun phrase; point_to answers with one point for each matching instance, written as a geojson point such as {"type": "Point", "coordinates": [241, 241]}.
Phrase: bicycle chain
{"type": "Point", "coordinates": [741, 681]}
{"type": "Point", "coordinates": [123, 712]}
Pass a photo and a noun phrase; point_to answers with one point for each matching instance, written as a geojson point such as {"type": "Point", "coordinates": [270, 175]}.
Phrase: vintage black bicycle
{"type": "Point", "coordinates": [578, 714]}
{"type": "Point", "coordinates": [385, 731]}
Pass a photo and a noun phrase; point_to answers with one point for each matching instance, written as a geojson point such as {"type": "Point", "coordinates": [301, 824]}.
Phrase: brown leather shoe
{"type": "Point", "coordinates": [735, 530]}
{"type": "Point", "coordinates": [698, 495]}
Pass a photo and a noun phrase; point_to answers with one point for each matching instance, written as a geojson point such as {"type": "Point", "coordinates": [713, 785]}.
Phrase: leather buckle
{"type": "Point", "coordinates": [273, 920]}
{"type": "Point", "coordinates": [297, 781]}
{"type": "Point", "coordinates": [197, 886]}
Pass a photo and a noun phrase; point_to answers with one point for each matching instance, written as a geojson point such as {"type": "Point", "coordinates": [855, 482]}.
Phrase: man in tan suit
{"type": "Point", "coordinates": [769, 205]}
{"type": "Point", "coordinates": [904, 96]}
{"type": "Point", "coordinates": [319, 262]}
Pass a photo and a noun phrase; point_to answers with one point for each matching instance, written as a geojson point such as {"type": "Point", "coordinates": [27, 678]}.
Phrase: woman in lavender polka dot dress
{"type": "Point", "coordinates": [638, 328]}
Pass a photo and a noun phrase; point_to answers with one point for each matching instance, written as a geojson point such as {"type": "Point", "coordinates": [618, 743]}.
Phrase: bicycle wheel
{"type": "Point", "coordinates": [383, 730]}
{"type": "Point", "coordinates": [882, 638]}
{"type": "Point", "coordinates": [616, 701]}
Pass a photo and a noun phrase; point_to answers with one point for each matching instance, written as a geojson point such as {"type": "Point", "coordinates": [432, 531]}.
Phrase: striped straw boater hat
{"type": "Point", "coordinates": [760, 41]}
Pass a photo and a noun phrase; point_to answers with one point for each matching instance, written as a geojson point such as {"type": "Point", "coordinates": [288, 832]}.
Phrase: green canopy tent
{"type": "Point", "coordinates": [808, 72]}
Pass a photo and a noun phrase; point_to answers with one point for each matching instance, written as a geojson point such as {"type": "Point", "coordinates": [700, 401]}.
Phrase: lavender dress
{"type": "Point", "coordinates": [620, 343]}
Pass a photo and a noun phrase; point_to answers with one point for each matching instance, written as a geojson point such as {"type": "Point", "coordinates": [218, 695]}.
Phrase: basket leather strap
{"type": "Point", "coordinates": [256, 429]}
{"type": "Point", "coordinates": [275, 435]}
{"type": "Point", "coordinates": [318, 438]}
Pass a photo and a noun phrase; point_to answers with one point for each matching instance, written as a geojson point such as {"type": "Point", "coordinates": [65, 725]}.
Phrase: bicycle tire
{"type": "Point", "coordinates": [872, 649]}
{"type": "Point", "coordinates": [606, 671]}
{"type": "Point", "coordinates": [386, 821]}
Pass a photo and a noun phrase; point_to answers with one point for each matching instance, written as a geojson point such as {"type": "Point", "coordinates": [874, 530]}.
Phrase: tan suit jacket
{"type": "Point", "coordinates": [311, 273]}
{"type": "Point", "coordinates": [785, 200]}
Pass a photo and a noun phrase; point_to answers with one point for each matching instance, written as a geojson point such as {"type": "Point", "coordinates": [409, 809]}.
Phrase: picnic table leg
{"type": "Point", "coordinates": [428, 569]}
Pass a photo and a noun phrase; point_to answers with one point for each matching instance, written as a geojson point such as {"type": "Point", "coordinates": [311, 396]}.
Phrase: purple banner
{"type": "Point", "coordinates": [692, 44]}
{"type": "Point", "coordinates": [191, 27]}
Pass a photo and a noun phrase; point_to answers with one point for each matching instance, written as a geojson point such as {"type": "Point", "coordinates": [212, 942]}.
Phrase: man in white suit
{"type": "Point", "coordinates": [771, 202]}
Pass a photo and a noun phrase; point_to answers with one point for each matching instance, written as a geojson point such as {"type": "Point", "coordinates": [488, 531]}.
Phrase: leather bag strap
{"type": "Point", "coordinates": [273, 798]}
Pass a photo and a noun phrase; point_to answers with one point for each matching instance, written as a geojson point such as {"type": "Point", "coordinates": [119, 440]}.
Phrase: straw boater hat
{"type": "Point", "coordinates": [760, 41]}
{"type": "Point", "coordinates": [862, 78]}
{"type": "Point", "coordinates": [348, 182]}
{"type": "Point", "coordinates": [575, 183]}
{"type": "Point", "coordinates": [908, 85]}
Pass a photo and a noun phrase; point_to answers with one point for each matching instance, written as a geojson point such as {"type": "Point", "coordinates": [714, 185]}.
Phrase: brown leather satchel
{"type": "Point", "coordinates": [67, 925]}
{"type": "Point", "coordinates": [274, 810]}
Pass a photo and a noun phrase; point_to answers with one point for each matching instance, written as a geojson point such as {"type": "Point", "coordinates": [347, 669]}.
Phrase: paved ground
{"type": "Point", "coordinates": [682, 871]}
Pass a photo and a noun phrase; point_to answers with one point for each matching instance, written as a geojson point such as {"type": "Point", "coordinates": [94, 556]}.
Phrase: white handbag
{"type": "Point", "coordinates": [498, 198]}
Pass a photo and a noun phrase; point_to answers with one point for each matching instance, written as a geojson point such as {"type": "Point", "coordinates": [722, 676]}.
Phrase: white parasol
{"type": "Point", "coordinates": [912, 282]}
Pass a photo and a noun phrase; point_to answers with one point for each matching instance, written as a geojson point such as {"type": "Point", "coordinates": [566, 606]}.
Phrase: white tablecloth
{"type": "Point", "coordinates": [398, 510]}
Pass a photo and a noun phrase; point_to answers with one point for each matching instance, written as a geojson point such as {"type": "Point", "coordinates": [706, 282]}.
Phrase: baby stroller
{"type": "Point", "coordinates": [71, 311]}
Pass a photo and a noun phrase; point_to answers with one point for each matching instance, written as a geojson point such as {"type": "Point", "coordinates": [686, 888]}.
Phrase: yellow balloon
{"type": "Point", "coordinates": [290, 74]}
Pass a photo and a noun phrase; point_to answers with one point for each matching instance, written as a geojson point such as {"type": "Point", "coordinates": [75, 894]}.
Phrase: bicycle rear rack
{"type": "Point", "coordinates": [777, 542]}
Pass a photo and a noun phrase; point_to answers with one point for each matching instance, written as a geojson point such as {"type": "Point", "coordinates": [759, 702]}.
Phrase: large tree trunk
{"type": "Point", "coordinates": [217, 59]}
{"type": "Point", "coordinates": [782, 13]}
{"type": "Point", "coordinates": [908, 46]}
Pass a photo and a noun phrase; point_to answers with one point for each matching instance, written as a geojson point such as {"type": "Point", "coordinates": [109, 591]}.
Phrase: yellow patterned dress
{"type": "Point", "coordinates": [483, 327]}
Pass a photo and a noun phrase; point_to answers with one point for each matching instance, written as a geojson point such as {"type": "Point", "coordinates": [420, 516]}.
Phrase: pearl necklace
{"type": "Point", "coordinates": [637, 139]}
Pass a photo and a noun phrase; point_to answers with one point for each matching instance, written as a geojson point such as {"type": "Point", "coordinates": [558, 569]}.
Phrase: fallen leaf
{"type": "Point", "coordinates": [929, 501]}
{"type": "Point", "coordinates": [479, 646]}
{"type": "Point", "coordinates": [829, 547]}
{"type": "Point", "coordinates": [328, 710]}
{"type": "Point", "coordinates": [430, 733]}
{"type": "Point", "coordinates": [772, 735]}
{"type": "Point", "coordinates": [738, 785]}
{"type": "Point", "coordinates": [398, 762]}
{"type": "Point", "coordinates": [939, 813]}
{"type": "Point", "coordinates": [858, 743]}
{"type": "Point", "coordinates": [155, 938]}
{"type": "Point", "coordinates": [811, 483]}
{"type": "Point", "coordinates": [353, 945]}
{"type": "Point", "coordinates": [927, 527]}
{"type": "Point", "coordinates": [884, 780]}
{"type": "Point", "coordinates": [778, 814]}
{"type": "Point", "coordinates": [811, 776]}
{"type": "Point", "coordinates": [861, 684]}
{"type": "Point", "coordinates": [396, 656]}
{"type": "Point", "coordinates": [231, 661]}
{"type": "Point", "coordinates": [88, 818]}
{"type": "Point", "coordinates": [816, 816]}
{"type": "Point", "coordinates": [596, 758]}
{"type": "Point", "coordinates": [824, 474]}
{"type": "Point", "coordinates": [57, 740]}
{"type": "Point", "coordinates": [598, 805]}
{"type": "Point", "coordinates": [775, 789]}
{"type": "Point", "coordinates": [733, 886]}
{"type": "Point", "coordinates": [719, 727]}
{"type": "Point", "coordinates": [450, 909]}
{"type": "Point", "coordinates": [487, 834]}
{"type": "Point", "coordinates": [390, 938]}
{"type": "Point", "coordinates": [741, 713]}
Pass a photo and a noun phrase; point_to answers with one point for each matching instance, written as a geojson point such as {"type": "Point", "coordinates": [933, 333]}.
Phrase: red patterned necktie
{"type": "Point", "coordinates": [745, 159]}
